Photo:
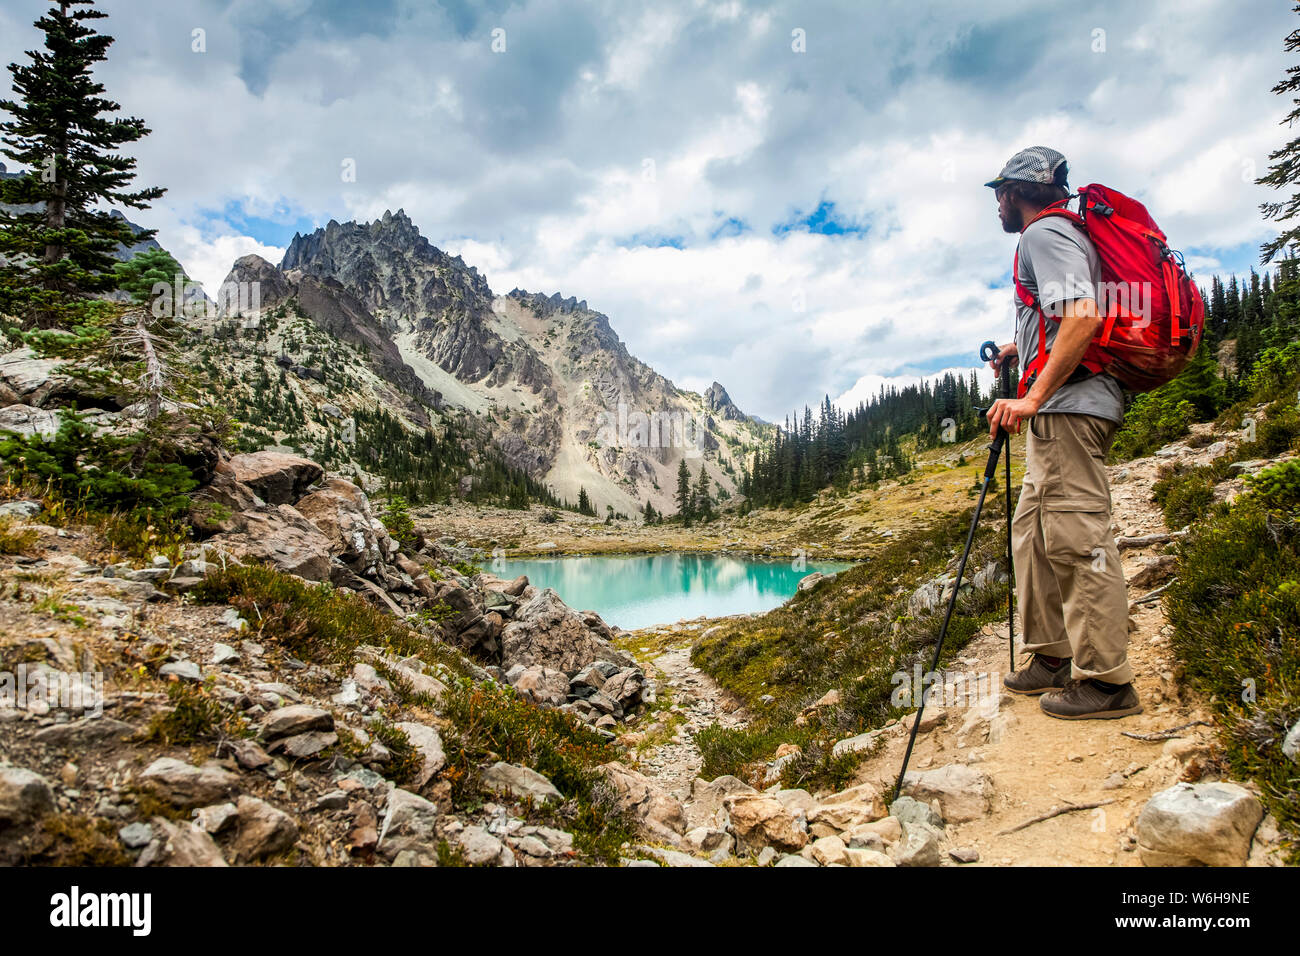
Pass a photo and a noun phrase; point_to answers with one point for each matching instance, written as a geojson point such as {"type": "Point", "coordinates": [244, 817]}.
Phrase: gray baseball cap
{"type": "Point", "coordinates": [1037, 164]}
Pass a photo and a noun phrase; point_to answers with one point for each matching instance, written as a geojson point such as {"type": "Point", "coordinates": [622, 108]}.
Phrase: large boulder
{"type": "Point", "coordinates": [963, 792]}
{"type": "Point", "coordinates": [342, 512]}
{"type": "Point", "coordinates": [759, 820]}
{"type": "Point", "coordinates": [282, 537]}
{"type": "Point", "coordinates": [279, 478]}
{"type": "Point", "coordinates": [1198, 823]}
{"type": "Point", "coordinates": [220, 505]}
{"type": "Point", "coordinates": [24, 796]}
{"type": "Point", "coordinates": [30, 422]}
{"type": "Point", "coordinates": [28, 380]}
{"type": "Point", "coordinates": [185, 785]}
{"type": "Point", "coordinates": [520, 782]}
{"type": "Point", "coordinates": [547, 631]}
{"type": "Point", "coordinates": [706, 799]}
{"type": "Point", "coordinates": [541, 685]}
{"type": "Point", "coordinates": [659, 814]}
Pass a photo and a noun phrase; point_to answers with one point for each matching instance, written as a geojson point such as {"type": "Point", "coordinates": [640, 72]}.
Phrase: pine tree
{"type": "Point", "coordinates": [1285, 168]}
{"type": "Point", "coordinates": [61, 253]}
{"type": "Point", "coordinates": [703, 500]}
{"type": "Point", "coordinates": [144, 270]}
{"type": "Point", "coordinates": [684, 493]}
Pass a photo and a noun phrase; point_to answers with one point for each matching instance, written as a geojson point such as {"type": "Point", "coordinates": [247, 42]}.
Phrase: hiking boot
{"type": "Point", "coordinates": [1083, 699]}
{"type": "Point", "coordinates": [1038, 677]}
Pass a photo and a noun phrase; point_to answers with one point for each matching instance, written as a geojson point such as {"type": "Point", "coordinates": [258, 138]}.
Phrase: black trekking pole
{"type": "Point", "coordinates": [990, 471]}
{"type": "Point", "coordinates": [988, 352]}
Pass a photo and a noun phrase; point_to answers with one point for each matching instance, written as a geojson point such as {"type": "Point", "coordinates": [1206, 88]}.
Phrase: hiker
{"type": "Point", "coordinates": [1069, 581]}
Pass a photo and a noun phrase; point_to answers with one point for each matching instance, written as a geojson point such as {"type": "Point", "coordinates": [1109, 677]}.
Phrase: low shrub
{"type": "Point", "coordinates": [490, 722]}
{"type": "Point", "coordinates": [1235, 608]}
{"type": "Point", "coordinates": [316, 622]}
{"type": "Point", "coordinates": [195, 715]}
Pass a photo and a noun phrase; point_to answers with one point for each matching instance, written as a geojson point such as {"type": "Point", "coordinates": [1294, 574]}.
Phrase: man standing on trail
{"type": "Point", "coordinates": [1069, 582]}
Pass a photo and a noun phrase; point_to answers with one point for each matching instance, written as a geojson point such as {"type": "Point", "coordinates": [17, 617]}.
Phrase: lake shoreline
{"type": "Point", "coordinates": [656, 589]}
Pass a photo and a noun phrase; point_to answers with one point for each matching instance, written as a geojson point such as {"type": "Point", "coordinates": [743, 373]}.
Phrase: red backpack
{"type": "Point", "coordinates": [1153, 312]}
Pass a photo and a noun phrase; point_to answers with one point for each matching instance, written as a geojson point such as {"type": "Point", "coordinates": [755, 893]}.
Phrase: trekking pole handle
{"type": "Point", "coordinates": [989, 351]}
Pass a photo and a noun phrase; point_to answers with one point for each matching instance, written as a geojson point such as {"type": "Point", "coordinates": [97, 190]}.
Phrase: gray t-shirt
{"type": "Point", "coordinates": [1058, 263]}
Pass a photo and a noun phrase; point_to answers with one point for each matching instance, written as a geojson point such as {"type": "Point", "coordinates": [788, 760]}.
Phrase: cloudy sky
{"type": "Point", "coordinates": [782, 196]}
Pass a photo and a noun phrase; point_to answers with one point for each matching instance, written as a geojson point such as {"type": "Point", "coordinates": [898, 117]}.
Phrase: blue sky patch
{"type": "Point", "coordinates": [822, 220]}
{"type": "Point", "coordinates": [276, 230]}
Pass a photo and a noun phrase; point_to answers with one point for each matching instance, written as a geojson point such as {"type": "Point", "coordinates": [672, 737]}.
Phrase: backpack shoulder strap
{"type": "Point", "coordinates": [1038, 362]}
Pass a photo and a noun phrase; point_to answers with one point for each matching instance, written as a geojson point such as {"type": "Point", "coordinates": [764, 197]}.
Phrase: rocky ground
{"type": "Point", "coordinates": [995, 782]}
{"type": "Point", "coordinates": [203, 735]}
{"type": "Point", "coordinates": [198, 736]}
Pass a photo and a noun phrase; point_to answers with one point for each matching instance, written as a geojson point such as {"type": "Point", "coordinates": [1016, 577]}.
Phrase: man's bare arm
{"type": "Point", "coordinates": [1079, 323]}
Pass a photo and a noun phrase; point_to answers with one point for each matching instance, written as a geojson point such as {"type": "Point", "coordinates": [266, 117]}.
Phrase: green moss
{"type": "Point", "coordinates": [15, 539]}
{"type": "Point", "coordinates": [67, 839]}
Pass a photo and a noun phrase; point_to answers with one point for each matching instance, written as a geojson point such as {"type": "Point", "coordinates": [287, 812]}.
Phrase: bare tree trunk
{"type": "Point", "coordinates": [153, 374]}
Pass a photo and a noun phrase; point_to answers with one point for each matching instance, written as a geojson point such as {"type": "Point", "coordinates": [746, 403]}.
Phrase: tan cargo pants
{"type": "Point", "coordinates": [1069, 581]}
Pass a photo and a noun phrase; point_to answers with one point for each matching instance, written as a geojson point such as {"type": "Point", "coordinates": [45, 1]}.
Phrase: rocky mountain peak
{"type": "Point", "coordinates": [717, 400]}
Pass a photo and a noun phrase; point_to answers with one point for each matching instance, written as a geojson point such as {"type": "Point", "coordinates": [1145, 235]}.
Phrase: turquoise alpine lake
{"type": "Point", "coordinates": [643, 590]}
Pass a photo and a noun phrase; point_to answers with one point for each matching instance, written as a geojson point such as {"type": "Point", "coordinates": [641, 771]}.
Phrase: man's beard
{"type": "Point", "coordinates": [1014, 220]}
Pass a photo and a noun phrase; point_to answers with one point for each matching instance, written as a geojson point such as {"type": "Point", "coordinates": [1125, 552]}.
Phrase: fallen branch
{"type": "Point", "coordinates": [1152, 595]}
{"type": "Point", "coordinates": [1145, 540]}
{"type": "Point", "coordinates": [1169, 734]}
{"type": "Point", "coordinates": [1056, 812]}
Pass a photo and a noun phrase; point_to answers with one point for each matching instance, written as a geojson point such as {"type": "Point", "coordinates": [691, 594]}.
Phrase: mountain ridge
{"type": "Point", "coordinates": [549, 375]}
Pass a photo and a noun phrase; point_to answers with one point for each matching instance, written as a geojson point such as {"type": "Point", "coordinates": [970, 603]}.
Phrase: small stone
{"type": "Point", "coordinates": [183, 670]}
{"type": "Point", "coordinates": [919, 846]}
{"type": "Point", "coordinates": [295, 719]}
{"type": "Point", "coordinates": [480, 847]}
{"type": "Point", "coordinates": [304, 746]}
{"type": "Point", "coordinates": [187, 785]}
{"type": "Point", "coordinates": [965, 854]}
{"type": "Point", "coordinates": [334, 800]}
{"type": "Point", "coordinates": [224, 654]}
{"type": "Point", "coordinates": [217, 817]}
{"type": "Point", "coordinates": [264, 830]}
{"type": "Point", "coordinates": [135, 835]}
{"type": "Point", "coordinates": [1291, 743]}
{"type": "Point", "coordinates": [248, 754]}
{"type": "Point", "coordinates": [908, 810]}
{"type": "Point", "coordinates": [230, 617]}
